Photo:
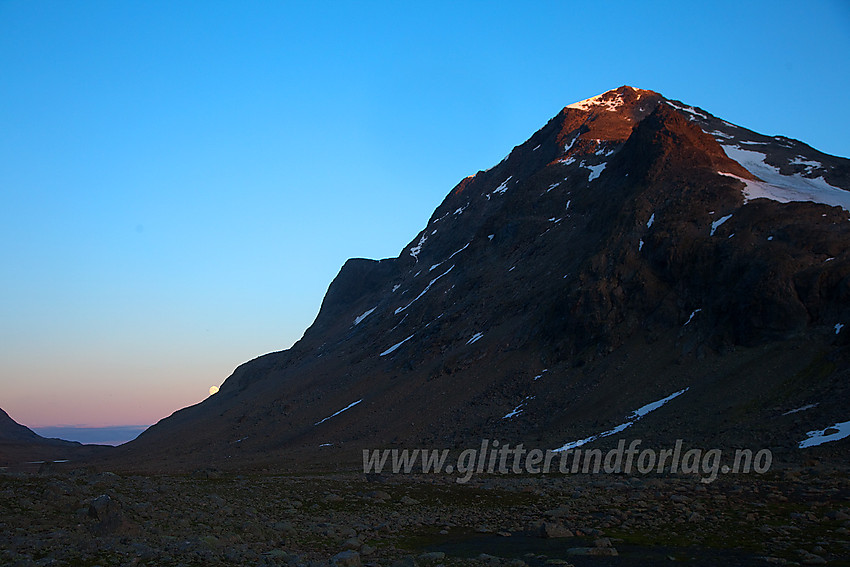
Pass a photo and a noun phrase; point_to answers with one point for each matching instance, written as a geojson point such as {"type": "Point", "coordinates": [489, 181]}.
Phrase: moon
{"type": "Point", "coordinates": [213, 390]}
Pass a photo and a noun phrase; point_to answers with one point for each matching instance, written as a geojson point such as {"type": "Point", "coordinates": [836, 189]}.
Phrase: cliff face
{"type": "Point", "coordinates": [632, 247]}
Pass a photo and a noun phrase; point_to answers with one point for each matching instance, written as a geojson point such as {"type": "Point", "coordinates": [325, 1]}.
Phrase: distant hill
{"type": "Point", "coordinates": [12, 431]}
{"type": "Point", "coordinates": [19, 445]}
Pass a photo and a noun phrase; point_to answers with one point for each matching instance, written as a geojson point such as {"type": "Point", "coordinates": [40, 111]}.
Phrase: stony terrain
{"type": "Point", "coordinates": [791, 516]}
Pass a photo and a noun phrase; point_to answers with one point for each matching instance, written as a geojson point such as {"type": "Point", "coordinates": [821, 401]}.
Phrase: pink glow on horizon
{"type": "Point", "coordinates": [51, 411]}
{"type": "Point", "coordinates": [104, 394]}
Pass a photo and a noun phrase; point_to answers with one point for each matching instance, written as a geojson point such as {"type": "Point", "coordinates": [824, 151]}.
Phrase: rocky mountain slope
{"type": "Point", "coordinates": [632, 248]}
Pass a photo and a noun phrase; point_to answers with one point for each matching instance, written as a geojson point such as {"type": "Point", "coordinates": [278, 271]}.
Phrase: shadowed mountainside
{"type": "Point", "coordinates": [631, 248]}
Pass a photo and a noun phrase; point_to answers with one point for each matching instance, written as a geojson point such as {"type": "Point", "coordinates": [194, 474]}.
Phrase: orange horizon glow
{"type": "Point", "coordinates": [108, 394]}
{"type": "Point", "coordinates": [55, 413]}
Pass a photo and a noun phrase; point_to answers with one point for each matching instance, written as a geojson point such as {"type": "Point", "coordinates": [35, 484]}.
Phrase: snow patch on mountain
{"type": "Point", "coordinates": [455, 253]}
{"type": "Point", "coordinates": [783, 188]}
{"type": "Point", "coordinates": [439, 219]}
{"type": "Point", "coordinates": [474, 338]}
{"type": "Point", "coordinates": [688, 109]}
{"type": "Point", "coordinates": [800, 160]}
{"type": "Point", "coordinates": [631, 419]}
{"type": "Point", "coordinates": [595, 170]}
{"type": "Point", "coordinates": [503, 187]}
{"type": "Point", "coordinates": [716, 224]}
{"type": "Point", "coordinates": [599, 102]}
{"type": "Point", "coordinates": [349, 406]}
{"type": "Point", "coordinates": [424, 291]}
{"type": "Point", "coordinates": [517, 410]}
{"type": "Point", "coordinates": [719, 136]}
{"type": "Point", "coordinates": [360, 318]}
{"type": "Point", "coordinates": [803, 408]}
{"type": "Point", "coordinates": [415, 250]}
{"type": "Point", "coordinates": [818, 437]}
{"type": "Point", "coordinates": [652, 406]}
{"type": "Point", "coordinates": [394, 347]}
{"type": "Point", "coordinates": [691, 318]}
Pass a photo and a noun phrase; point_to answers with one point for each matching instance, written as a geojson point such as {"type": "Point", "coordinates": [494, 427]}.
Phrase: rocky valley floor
{"type": "Point", "coordinates": [798, 515]}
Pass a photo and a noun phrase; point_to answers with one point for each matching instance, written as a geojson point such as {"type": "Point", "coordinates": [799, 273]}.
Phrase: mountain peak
{"type": "Point", "coordinates": [613, 99]}
{"type": "Point", "coordinates": [599, 123]}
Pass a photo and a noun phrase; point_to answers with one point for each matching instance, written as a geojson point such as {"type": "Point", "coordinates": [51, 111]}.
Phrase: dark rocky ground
{"type": "Point", "coordinates": [71, 516]}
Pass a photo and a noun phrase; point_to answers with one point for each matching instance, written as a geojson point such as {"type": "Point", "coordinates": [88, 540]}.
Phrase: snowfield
{"type": "Point", "coordinates": [783, 188]}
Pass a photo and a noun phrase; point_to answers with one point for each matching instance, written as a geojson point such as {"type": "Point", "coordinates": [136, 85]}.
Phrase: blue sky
{"type": "Point", "coordinates": [180, 181]}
